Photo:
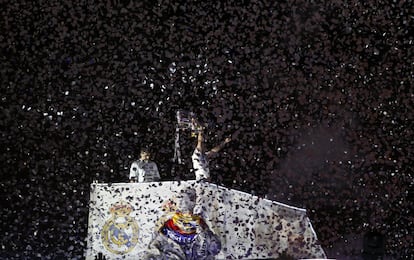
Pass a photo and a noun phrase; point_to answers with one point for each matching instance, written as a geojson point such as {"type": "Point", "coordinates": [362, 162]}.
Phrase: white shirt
{"type": "Point", "coordinates": [144, 171]}
{"type": "Point", "coordinates": [200, 165]}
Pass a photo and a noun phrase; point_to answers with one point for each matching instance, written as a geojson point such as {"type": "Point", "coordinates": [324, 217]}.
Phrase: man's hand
{"type": "Point", "coordinates": [220, 146]}
{"type": "Point", "coordinates": [197, 125]}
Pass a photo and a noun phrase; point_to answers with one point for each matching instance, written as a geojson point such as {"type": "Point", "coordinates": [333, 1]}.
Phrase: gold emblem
{"type": "Point", "coordinates": [120, 232]}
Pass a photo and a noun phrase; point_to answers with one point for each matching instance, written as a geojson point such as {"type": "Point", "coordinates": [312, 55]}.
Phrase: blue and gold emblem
{"type": "Point", "coordinates": [120, 232]}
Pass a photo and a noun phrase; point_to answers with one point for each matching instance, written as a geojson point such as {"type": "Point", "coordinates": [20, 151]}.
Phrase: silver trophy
{"type": "Point", "coordinates": [186, 120]}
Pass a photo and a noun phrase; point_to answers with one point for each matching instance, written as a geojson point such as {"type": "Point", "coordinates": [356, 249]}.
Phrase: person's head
{"type": "Point", "coordinates": [186, 200]}
{"type": "Point", "coordinates": [145, 154]}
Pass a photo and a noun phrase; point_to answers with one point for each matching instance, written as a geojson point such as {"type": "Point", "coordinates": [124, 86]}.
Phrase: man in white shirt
{"type": "Point", "coordinates": [200, 157]}
{"type": "Point", "coordinates": [144, 170]}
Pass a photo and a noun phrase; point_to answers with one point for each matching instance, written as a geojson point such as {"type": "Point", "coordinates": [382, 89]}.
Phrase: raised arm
{"type": "Point", "coordinates": [200, 136]}
{"type": "Point", "coordinates": [220, 146]}
{"type": "Point", "coordinates": [200, 142]}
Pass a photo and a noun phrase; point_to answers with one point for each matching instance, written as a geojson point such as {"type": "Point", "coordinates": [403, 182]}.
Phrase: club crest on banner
{"type": "Point", "coordinates": [181, 234]}
{"type": "Point", "coordinates": [120, 232]}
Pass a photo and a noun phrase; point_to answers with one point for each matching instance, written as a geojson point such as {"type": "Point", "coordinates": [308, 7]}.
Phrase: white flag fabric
{"type": "Point", "coordinates": [191, 220]}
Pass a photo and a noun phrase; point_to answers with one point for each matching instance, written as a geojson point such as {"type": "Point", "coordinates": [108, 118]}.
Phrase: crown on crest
{"type": "Point", "coordinates": [121, 208]}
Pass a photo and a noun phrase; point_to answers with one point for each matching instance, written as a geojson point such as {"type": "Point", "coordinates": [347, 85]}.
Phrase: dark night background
{"type": "Point", "coordinates": [317, 94]}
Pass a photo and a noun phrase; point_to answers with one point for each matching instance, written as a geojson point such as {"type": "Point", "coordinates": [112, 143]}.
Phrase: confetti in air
{"type": "Point", "coordinates": [317, 97]}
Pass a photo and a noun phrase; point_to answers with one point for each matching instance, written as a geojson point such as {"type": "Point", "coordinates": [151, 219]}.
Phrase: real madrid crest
{"type": "Point", "coordinates": [120, 232]}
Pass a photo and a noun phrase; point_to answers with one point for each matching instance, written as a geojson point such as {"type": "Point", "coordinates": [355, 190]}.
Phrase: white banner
{"type": "Point", "coordinates": [189, 220]}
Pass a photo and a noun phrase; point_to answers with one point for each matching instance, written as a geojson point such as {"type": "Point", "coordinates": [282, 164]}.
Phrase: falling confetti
{"type": "Point", "coordinates": [317, 96]}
